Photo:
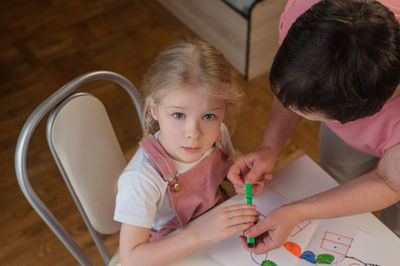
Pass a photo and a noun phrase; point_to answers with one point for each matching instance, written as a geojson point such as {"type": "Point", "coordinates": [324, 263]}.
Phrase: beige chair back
{"type": "Point", "coordinates": [84, 144]}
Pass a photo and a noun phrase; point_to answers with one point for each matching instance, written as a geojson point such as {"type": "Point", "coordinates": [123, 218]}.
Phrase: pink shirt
{"type": "Point", "coordinates": [374, 134]}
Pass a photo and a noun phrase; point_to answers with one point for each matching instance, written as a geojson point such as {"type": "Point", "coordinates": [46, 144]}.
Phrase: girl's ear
{"type": "Point", "coordinates": [153, 110]}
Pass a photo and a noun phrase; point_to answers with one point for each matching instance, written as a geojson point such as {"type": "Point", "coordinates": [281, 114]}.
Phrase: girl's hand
{"type": "Point", "coordinates": [272, 232]}
{"type": "Point", "coordinates": [252, 168]}
{"type": "Point", "coordinates": [226, 222]}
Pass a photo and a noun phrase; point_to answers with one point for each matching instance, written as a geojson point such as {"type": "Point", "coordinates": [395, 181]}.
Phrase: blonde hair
{"type": "Point", "coordinates": [191, 62]}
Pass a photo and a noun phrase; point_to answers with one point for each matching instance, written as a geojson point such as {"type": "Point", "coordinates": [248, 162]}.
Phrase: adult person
{"type": "Point", "coordinates": [338, 63]}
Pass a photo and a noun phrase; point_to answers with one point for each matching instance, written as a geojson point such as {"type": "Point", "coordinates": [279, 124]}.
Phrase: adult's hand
{"type": "Point", "coordinates": [272, 232]}
{"type": "Point", "coordinates": [253, 168]}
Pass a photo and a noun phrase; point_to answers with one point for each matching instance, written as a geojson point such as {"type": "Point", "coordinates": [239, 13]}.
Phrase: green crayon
{"type": "Point", "coordinates": [249, 200]}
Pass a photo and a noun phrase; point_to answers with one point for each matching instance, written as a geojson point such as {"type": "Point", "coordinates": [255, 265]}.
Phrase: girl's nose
{"type": "Point", "coordinates": [193, 130]}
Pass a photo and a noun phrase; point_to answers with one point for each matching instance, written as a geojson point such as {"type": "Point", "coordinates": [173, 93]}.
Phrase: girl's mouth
{"type": "Point", "coordinates": [190, 149]}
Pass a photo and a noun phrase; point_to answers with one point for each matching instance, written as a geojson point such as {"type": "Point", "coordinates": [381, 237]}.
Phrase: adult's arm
{"type": "Point", "coordinates": [280, 126]}
{"type": "Point", "coordinates": [373, 191]}
{"type": "Point", "coordinates": [256, 166]}
{"type": "Point", "coordinates": [370, 192]}
{"type": "Point", "coordinates": [389, 167]}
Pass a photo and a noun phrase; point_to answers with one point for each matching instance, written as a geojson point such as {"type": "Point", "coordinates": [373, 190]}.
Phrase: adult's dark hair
{"type": "Point", "coordinates": [340, 58]}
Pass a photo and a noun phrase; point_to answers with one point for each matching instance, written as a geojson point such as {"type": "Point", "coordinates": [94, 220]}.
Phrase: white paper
{"type": "Point", "coordinates": [316, 239]}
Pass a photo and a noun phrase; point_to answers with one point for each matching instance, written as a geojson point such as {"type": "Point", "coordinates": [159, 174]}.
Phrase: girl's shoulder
{"type": "Point", "coordinates": [141, 170]}
{"type": "Point", "coordinates": [138, 160]}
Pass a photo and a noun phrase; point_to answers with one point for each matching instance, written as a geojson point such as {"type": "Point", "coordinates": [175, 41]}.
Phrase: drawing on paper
{"type": "Point", "coordinates": [334, 246]}
{"type": "Point", "coordinates": [300, 227]}
{"type": "Point", "coordinates": [336, 243]}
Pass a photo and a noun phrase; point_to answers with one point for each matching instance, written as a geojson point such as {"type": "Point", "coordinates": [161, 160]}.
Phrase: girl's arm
{"type": "Point", "coordinates": [135, 248]}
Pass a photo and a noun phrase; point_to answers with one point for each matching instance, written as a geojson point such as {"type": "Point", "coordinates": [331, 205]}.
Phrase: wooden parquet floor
{"type": "Point", "coordinates": [46, 43]}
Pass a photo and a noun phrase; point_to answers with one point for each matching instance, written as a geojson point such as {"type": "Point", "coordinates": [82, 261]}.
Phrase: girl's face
{"type": "Point", "coordinates": [189, 121]}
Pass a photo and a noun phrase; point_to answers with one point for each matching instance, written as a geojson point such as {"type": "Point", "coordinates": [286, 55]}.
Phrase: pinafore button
{"type": "Point", "coordinates": [177, 187]}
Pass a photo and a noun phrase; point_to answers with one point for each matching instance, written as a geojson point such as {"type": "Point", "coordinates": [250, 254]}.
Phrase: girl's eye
{"type": "Point", "coordinates": [178, 115]}
{"type": "Point", "coordinates": [209, 117]}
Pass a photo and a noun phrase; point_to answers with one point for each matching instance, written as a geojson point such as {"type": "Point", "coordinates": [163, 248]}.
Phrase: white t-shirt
{"type": "Point", "coordinates": [142, 198]}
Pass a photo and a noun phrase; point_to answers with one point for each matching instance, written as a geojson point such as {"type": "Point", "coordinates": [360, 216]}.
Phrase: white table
{"type": "Point", "coordinates": [298, 180]}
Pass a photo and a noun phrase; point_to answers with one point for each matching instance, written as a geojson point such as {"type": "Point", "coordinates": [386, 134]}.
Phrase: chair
{"type": "Point", "coordinates": [87, 153]}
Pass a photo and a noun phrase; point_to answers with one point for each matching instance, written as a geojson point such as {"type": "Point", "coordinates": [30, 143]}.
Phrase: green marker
{"type": "Point", "coordinates": [249, 200]}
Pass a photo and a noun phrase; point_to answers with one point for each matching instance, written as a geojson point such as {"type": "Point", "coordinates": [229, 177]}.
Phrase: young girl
{"type": "Point", "coordinates": [176, 174]}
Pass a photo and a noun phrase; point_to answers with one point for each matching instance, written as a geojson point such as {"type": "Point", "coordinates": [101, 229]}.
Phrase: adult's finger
{"type": "Point", "coordinates": [268, 176]}
{"type": "Point", "coordinates": [258, 229]}
{"type": "Point", "coordinates": [259, 248]}
{"type": "Point", "coordinates": [243, 240]}
{"type": "Point", "coordinates": [237, 172]}
{"type": "Point", "coordinates": [258, 187]}
{"type": "Point", "coordinates": [255, 174]}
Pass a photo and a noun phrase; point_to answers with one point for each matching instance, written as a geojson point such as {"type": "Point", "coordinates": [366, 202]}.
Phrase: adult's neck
{"type": "Point", "coordinates": [395, 94]}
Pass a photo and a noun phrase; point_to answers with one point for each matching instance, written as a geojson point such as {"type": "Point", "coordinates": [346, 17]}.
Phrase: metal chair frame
{"type": "Point", "coordinates": [51, 105]}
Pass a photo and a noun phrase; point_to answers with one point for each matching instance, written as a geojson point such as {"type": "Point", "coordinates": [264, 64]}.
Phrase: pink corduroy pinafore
{"type": "Point", "coordinates": [192, 192]}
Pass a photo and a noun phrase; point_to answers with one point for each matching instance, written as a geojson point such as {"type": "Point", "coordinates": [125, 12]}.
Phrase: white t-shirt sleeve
{"type": "Point", "coordinates": [139, 193]}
